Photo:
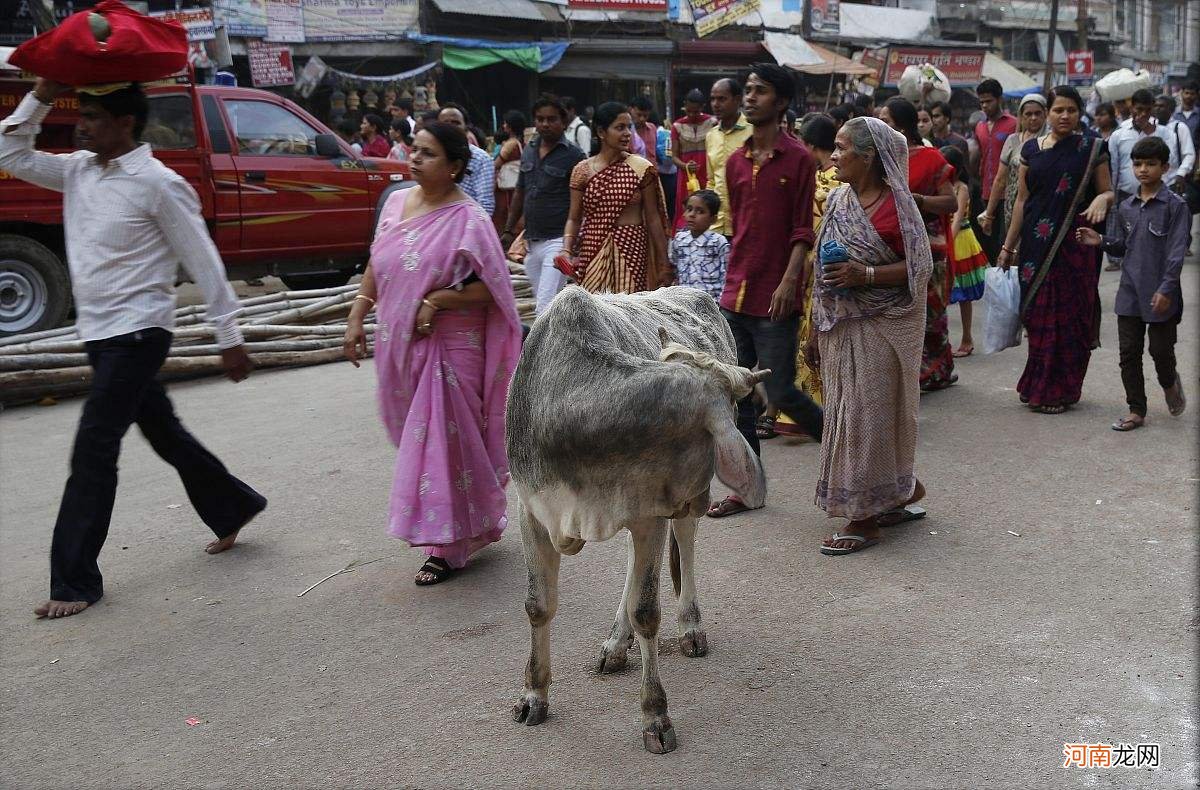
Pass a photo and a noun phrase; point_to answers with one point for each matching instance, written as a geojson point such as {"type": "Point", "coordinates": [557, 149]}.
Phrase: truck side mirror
{"type": "Point", "coordinates": [327, 146]}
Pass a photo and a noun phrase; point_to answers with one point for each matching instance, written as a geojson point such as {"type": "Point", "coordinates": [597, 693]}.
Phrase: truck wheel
{"type": "Point", "coordinates": [35, 290]}
{"type": "Point", "coordinates": [305, 282]}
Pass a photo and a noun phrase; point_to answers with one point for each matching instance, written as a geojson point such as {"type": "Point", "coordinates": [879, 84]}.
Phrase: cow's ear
{"type": "Point", "coordinates": [737, 465]}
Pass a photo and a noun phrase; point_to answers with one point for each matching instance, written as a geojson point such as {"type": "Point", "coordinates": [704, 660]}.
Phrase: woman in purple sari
{"type": "Point", "coordinates": [446, 343]}
{"type": "Point", "coordinates": [1064, 185]}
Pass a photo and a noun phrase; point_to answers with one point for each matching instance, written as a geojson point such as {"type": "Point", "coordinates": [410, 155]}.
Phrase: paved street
{"type": "Point", "coordinates": [953, 655]}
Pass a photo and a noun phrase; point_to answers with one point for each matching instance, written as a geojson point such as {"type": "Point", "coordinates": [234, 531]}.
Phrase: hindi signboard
{"type": "Point", "coordinates": [963, 67]}
{"type": "Point", "coordinates": [285, 21]}
{"type": "Point", "coordinates": [198, 22]}
{"type": "Point", "coordinates": [711, 15]}
{"type": "Point", "coordinates": [358, 20]}
{"type": "Point", "coordinates": [270, 64]}
{"type": "Point", "coordinates": [824, 16]}
{"type": "Point", "coordinates": [242, 17]}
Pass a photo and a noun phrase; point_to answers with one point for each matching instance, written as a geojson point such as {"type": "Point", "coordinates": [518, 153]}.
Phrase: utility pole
{"type": "Point", "coordinates": [1081, 24]}
{"type": "Point", "coordinates": [1048, 77]}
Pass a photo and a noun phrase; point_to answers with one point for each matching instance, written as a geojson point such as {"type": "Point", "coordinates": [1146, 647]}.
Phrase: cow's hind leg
{"type": "Point", "coordinates": [692, 639]}
{"type": "Point", "coordinates": [541, 561]}
{"type": "Point", "coordinates": [614, 651]}
{"type": "Point", "coordinates": [648, 538]}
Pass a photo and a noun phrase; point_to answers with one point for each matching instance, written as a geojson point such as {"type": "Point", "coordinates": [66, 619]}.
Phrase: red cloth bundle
{"type": "Point", "coordinates": [132, 47]}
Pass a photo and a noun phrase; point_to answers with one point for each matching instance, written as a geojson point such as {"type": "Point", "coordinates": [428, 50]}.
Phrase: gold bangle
{"type": "Point", "coordinates": [365, 297]}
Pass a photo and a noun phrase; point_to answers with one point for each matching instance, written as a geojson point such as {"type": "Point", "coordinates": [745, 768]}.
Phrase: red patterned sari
{"type": "Point", "coordinates": [927, 171]}
{"type": "Point", "coordinates": [616, 258]}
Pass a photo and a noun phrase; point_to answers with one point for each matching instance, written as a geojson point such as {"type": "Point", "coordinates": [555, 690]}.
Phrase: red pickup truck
{"type": "Point", "coordinates": [281, 194]}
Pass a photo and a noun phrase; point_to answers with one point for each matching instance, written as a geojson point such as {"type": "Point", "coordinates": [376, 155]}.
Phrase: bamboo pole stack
{"type": "Point", "coordinates": [285, 329]}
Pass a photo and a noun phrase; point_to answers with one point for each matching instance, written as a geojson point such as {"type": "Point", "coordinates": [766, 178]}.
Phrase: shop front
{"type": "Point", "coordinates": [596, 70]}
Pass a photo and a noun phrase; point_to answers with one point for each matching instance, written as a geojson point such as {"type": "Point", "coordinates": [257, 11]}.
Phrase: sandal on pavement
{"type": "Point", "coordinates": [764, 428]}
{"type": "Point", "coordinates": [1176, 400]}
{"type": "Point", "coordinates": [728, 506]}
{"type": "Point", "coordinates": [1050, 408]}
{"type": "Point", "coordinates": [860, 544]}
{"type": "Point", "coordinates": [438, 569]}
{"type": "Point", "coordinates": [1128, 424]}
{"type": "Point", "coordinates": [964, 351]}
{"type": "Point", "coordinates": [900, 515]}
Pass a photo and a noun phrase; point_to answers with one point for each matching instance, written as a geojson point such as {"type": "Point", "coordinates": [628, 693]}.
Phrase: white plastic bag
{"type": "Point", "coordinates": [1002, 295]}
{"type": "Point", "coordinates": [914, 79]}
{"type": "Point", "coordinates": [1122, 83]}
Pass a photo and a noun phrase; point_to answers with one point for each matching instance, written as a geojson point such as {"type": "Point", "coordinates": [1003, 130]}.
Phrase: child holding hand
{"type": "Point", "coordinates": [698, 254]}
{"type": "Point", "coordinates": [1152, 235]}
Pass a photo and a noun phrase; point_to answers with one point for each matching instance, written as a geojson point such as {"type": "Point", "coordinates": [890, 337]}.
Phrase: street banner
{"type": "Point", "coordinates": [270, 64]}
{"type": "Point", "coordinates": [619, 5]}
{"type": "Point", "coordinates": [198, 22]}
{"type": "Point", "coordinates": [285, 21]}
{"type": "Point", "coordinates": [1081, 66]}
{"type": "Point", "coordinates": [963, 67]}
{"type": "Point", "coordinates": [711, 15]}
{"type": "Point", "coordinates": [242, 17]}
{"type": "Point", "coordinates": [824, 16]}
{"type": "Point", "coordinates": [358, 20]}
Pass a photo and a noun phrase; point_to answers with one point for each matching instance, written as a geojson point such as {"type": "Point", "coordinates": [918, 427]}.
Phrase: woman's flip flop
{"type": "Point", "coordinates": [900, 515]}
{"type": "Point", "coordinates": [727, 507]}
{"type": "Point", "coordinates": [859, 541]}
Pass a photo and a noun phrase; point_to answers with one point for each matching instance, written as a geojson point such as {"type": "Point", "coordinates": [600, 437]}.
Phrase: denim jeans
{"type": "Point", "coordinates": [772, 344]}
{"type": "Point", "coordinates": [124, 391]}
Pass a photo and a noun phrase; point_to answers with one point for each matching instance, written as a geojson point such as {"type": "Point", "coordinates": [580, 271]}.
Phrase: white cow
{"type": "Point", "coordinates": [620, 412]}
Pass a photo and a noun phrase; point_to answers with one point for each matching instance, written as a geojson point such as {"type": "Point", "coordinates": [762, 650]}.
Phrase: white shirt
{"type": "Point", "coordinates": [129, 225]}
{"type": "Point", "coordinates": [579, 134]}
{"type": "Point", "coordinates": [1120, 148]}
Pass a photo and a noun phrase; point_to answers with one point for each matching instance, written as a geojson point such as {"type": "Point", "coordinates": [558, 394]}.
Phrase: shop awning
{"type": "Point", "coordinates": [884, 24]}
{"type": "Point", "coordinates": [1009, 76]}
{"type": "Point", "coordinates": [504, 9]}
{"type": "Point", "coordinates": [471, 53]}
{"type": "Point", "coordinates": [809, 58]}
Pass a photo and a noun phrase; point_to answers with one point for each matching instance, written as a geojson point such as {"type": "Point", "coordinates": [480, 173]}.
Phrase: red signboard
{"type": "Point", "coordinates": [620, 5]}
{"type": "Point", "coordinates": [1081, 66]}
{"type": "Point", "coordinates": [961, 66]}
{"type": "Point", "coordinates": [270, 64]}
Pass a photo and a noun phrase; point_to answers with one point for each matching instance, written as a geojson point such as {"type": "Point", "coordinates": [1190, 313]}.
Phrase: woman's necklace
{"type": "Point", "coordinates": [869, 206]}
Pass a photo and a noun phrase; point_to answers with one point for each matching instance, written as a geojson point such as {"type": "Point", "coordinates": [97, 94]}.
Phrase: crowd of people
{"type": "Point", "coordinates": [834, 245]}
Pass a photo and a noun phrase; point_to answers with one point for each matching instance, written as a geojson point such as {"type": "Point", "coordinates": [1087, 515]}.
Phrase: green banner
{"type": "Point", "coordinates": [464, 59]}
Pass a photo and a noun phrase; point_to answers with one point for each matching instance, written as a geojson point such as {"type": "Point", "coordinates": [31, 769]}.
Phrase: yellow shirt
{"type": "Point", "coordinates": [718, 145]}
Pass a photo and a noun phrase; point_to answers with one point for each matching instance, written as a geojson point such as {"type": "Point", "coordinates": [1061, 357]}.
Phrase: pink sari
{"type": "Point", "coordinates": [442, 396]}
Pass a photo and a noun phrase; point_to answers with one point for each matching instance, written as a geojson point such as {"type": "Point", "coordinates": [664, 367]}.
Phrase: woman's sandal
{"type": "Point", "coordinates": [900, 515]}
{"type": "Point", "coordinates": [1049, 408]}
{"type": "Point", "coordinates": [728, 506]}
{"type": "Point", "coordinates": [764, 428]}
{"type": "Point", "coordinates": [1128, 424]}
{"type": "Point", "coordinates": [436, 567]}
{"type": "Point", "coordinates": [859, 541]}
{"type": "Point", "coordinates": [964, 351]}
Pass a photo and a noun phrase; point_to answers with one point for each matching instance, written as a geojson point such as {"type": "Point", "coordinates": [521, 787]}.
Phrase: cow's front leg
{"type": "Point", "coordinates": [692, 639]}
{"type": "Point", "coordinates": [541, 561]}
{"type": "Point", "coordinates": [614, 651]}
{"type": "Point", "coordinates": [648, 538]}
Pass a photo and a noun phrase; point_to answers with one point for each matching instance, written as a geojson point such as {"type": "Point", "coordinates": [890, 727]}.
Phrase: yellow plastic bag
{"type": "Point", "coordinates": [693, 183]}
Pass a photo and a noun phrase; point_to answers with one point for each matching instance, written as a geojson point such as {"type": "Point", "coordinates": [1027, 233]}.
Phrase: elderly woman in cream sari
{"type": "Point", "coordinates": [869, 315]}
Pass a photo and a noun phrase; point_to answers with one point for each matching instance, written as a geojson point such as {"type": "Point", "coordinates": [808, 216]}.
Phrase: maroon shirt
{"type": "Point", "coordinates": [771, 211]}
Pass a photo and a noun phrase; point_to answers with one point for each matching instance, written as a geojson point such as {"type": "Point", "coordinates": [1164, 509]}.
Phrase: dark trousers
{"type": "Point", "coordinates": [123, 392]}
{"type": "Point", "coordinates": [772, 345]}
{"type": "Point", "coordinates": [669, 183]}
{"type": "Point", "coordinates": [1131, 335]}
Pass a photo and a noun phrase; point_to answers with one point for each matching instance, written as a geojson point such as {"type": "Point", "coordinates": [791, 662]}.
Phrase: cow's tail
{"type": "Point", "coordinates": [675, 563]}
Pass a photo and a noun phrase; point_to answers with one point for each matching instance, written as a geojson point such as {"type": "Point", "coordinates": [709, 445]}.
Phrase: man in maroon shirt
{"type": "Point", "coordinates": [771, 181]}
{"type": "Point", "coordinates": [991, 133]}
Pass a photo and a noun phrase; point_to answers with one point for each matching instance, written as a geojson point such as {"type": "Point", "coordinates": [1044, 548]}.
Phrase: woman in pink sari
{"type": "Point", "coordinates": [447, 340]}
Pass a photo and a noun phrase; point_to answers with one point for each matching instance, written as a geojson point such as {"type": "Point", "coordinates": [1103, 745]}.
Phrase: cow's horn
{"type": "Point", "coordinates": [759, 375]}
{"type": "Point", "coordinates": [663, 337]}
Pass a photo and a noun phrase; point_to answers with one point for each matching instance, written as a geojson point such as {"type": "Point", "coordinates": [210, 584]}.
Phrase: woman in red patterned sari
{"type": "Point", "coordinates": [616, 231]}
{"type": "Point", "coordinates": [929, 179]}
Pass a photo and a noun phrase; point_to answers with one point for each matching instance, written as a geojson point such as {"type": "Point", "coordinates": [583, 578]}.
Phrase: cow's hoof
{"type": "Point", "coordinates": [693, 644]}
{"type": "Point", "coordinates": [659, 737]}
{"type": "Point", "coordinates": [612, 659]}
{"type": "Point", "coordinates": [531, 710]}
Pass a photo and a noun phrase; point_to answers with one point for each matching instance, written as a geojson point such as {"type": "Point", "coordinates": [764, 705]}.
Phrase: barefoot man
{"type": "Point", "coordinates": [130, 222]}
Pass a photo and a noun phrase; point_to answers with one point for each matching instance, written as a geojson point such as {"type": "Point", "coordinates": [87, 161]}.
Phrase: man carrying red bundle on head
{"type": "Point", "coordinates": [130, 222]}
